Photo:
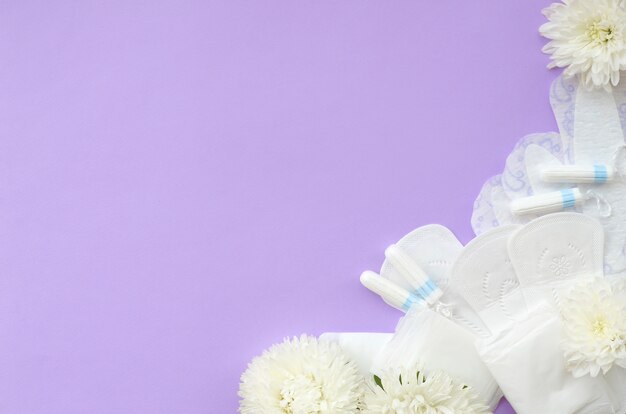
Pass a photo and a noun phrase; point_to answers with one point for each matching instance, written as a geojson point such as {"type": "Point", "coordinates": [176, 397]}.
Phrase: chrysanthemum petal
{"type": "Point", "coordinates": [594, 322]}
{"type": "Point", "coordinates": [301, 376]}
{"type": "Point", "coordinates": [409, 391]}
{"type": "Point", "coordinates": [588, 39]}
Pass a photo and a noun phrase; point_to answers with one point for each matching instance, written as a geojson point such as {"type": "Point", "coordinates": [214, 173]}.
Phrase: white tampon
{"type": "Point", "coordinates": [422, 285]}
{"type": "Point", "coordinates": [393, 294]}
{"type": "Point", "coordinates": [547, 203]}
{"type": "Point", "coordinates": [584, 174]}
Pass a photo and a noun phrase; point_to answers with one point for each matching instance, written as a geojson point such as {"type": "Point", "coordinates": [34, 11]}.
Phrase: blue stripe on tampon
{"type": "Point", "coordinates": [410, 301]}
{"type": "Point", "coordinates": [426, 289]}
{"type": "Point", "coordinates": [568, 197]}
{"type": "Point", "coordinates": [421, 292]}
{"type": "Point", "coordinates": [600, 173]}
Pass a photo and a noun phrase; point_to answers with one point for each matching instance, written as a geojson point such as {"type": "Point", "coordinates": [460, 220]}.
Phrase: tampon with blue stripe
{"type": "Point", "coordinates": [422, 285]}
{"type": "Point", "coordinates": [551, 202]}
{"type": "Point", "coordinates": [590, 174]}
{"type": "Point", "coordinates": [393, 294]}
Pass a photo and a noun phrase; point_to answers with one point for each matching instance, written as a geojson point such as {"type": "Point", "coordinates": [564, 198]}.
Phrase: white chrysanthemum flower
{"type": "Point", "coordinates": [594, 321]}
{"type": "Point", "coordinates": [301, 376]}
{"type": "Point", "coordinates": [409, 391]}
{"type": "Point", "coordinates": [588, 38]}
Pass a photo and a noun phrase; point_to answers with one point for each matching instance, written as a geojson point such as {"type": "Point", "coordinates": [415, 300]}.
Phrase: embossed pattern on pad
{"type": "Point", "coordinates": [485, 276]}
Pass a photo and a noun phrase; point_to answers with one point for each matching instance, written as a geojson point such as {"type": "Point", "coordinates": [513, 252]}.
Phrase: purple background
{"type": "Point", "coordinates": [184, 183]}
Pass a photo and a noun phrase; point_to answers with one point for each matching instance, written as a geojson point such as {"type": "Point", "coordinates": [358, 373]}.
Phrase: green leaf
{"type": "Point", "coordinates": [378, 382]}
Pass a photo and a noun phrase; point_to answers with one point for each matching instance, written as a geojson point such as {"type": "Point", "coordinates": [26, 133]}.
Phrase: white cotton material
{"type": "Point", "coordinates": [484, 275]}
{"type": "Point", "coordinates": [597, 127]}
{"type": "Point", "coordinates": [616, 376]}
{"type": "Point", "coordinates": [528, 363]}
{"type": "Point", "coordinates": [591, 132]}
{"type": "Point", "coordinates": [597, 136]}
{"type": "Point", "coordinates": [506, 275]}
{"type": "Point", "coordinates": [562, 101]}
{"type": "Point", "coordinates": [426, 336]}
{"type": "Point", "coordinates": [616, 381]}
{"type": "Point", "coordinates": [555, 251]}
{"type": "Point", "coordinates": [549, 255]}
{"type": "Point", "coordinates": [360, 347]}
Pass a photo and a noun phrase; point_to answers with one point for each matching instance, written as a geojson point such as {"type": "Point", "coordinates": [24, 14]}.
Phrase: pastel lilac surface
{"type": "Point", "coordinates": [184, 183]}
